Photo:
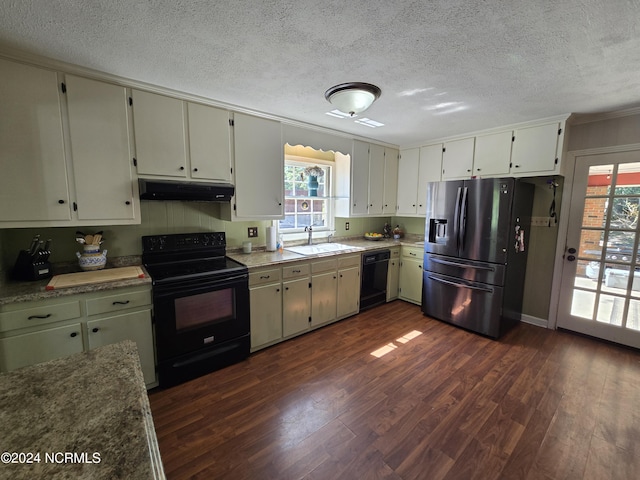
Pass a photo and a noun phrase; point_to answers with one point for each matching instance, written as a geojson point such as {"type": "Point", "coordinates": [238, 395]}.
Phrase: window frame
{"type": "Point", "coordinates": [299, 233]}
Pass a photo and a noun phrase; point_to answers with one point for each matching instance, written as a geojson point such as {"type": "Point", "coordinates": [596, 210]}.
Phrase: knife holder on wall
{"type": "Point", "coordinates": [28, 268]}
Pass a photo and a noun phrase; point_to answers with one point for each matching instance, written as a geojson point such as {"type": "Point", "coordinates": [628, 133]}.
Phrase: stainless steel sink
{"type": "Point", "coordinates": [322, 248]}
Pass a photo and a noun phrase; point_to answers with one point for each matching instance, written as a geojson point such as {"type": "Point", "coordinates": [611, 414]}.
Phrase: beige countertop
{"type": "Point", "coordinates": [262, 258]}
{"type": "Point", "coordinates": [92, 406]}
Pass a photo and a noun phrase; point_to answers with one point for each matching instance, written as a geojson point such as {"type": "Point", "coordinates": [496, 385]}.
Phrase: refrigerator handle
{"type": "Point", "coordinates": [463, 216]}
{"type": "Point", "coordinates": [460, 285]}
{"type": "Point", "coordinates": [456, 219]}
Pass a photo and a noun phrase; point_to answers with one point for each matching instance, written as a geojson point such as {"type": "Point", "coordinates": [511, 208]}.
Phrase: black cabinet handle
{"type": "Point", "coordinates": [121, 303]}
{"type": "Point", "coordinates": [95, 329]}
{"type": "Point", "coordinates": [127, 202]}
{"type": "Point", "coordinates": [60, 202]}
{"type": "Point", "coordinates": [39, 316]}
{"type": "Point", "coordinates": [181, 168]}
{"type": "Point", "coordinates": [277, 289]}
{"type": "Point", "coordinates": [195, 169]}
{"type": "Point", "coordinates": [286, 288]}
{"type": "Point", "coordinates": [73, 334]}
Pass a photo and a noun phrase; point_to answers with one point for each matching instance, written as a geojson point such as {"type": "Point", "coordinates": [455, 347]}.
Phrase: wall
{"type": "Point", "coordinates": [623, 129]}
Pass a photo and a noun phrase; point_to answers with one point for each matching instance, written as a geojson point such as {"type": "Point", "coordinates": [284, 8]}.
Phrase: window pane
{"type": "Point", "coordinates": [610, 310]}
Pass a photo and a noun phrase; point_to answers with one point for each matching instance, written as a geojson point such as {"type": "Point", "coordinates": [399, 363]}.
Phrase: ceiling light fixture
{"type": "Point", "coordinates": [352, 97]}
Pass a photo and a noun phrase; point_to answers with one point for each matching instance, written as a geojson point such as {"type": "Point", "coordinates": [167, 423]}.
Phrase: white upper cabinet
{"type": "Point", "coordinates": [389, 198]}
{"type": "Point", "coordinates": [376, 179]}
{"type": "Point", "coordinates": [408, 181]}
{"type": "Point", "coordinates": [259, 168]}
{"type": "Point", "coordinates": [457, 159]}
{"type": "Point", "coordinates": [209, 143]}
{"type": "Point", "coordinates": [101, 150]}
{"type": "Point", "coordinates": [431, 160]}
{"type": "Point", "coordinates": [492, 154]}
{"type": "Point", "coordinates": [160, 134]}
{"type": "Point", "coordinates": [537, 149]}
{"type": "Point", "coordinates": [360, 178]}
{"type": "Point", "coordinates": [33, 183]}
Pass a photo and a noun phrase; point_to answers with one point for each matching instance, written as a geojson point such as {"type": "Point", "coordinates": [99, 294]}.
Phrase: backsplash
{"type": "Point", "coordinates": [168, 217]}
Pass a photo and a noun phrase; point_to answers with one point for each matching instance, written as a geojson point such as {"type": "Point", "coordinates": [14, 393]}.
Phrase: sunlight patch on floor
{"type": "Point", "coordinates": [389, 347]}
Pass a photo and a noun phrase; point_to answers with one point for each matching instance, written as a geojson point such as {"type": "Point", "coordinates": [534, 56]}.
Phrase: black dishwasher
{"type": "Point", "coordinates": [373, 285]}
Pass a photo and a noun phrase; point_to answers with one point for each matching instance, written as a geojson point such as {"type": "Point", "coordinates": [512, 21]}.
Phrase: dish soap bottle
{"type": "Point", "coordinates": [280, 245]}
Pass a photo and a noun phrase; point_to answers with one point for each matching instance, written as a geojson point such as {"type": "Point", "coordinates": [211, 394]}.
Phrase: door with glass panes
{"type": "Point", "coordinates": [600, 292]}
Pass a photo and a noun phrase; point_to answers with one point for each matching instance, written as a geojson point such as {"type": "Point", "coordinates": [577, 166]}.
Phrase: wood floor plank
{"type": "Point", "coordinates": [441, 403]}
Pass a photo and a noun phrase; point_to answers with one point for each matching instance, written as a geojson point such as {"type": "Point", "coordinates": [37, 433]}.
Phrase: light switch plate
{"type": "Point", "coordinates": [252, 232]}
{"type": "Point", "coordinates": [543, 222]}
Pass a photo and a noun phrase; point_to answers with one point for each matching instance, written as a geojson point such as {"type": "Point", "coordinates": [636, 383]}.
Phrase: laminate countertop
{"type": "Point", "coordinates": [262, 258]}
{"type": "Point", "coordinates": [82, 416]}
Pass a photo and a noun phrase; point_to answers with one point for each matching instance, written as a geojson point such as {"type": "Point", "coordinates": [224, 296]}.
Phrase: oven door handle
{"type": "Point", "coordinates": [170, 289]}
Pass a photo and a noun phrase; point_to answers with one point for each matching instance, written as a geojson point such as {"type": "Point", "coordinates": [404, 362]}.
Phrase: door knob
{"type": "Point", "coordinates": [572, 250]}
{"type": "Point", "coordinates": [571, 258]}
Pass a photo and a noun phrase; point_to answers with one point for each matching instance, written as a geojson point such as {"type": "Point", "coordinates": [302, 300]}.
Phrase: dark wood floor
{"type": "Point", "coordinates": [538, 404]}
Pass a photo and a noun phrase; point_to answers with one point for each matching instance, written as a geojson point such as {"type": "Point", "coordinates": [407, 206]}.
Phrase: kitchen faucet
{"type": "Point", "coordinates": [310, 230]}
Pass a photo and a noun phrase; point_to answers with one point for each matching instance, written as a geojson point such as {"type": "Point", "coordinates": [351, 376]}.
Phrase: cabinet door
{"type": "Point", "coordinates": [100, 148]}
{"type": "Point", "coordinates": [535, 149]}
{"type": "Point", "coordinates": [360, 178]}
{"type": "Point", "coordinates": [408, 181]}
{"type": "Point", "coordinates": [492, 154]}
{"type": "Point", "coordinates": [348, 291]}
{"type": "Point", "coordinates": [393, 276]}
{"type": "Point", "coordinates": [209, 142]}
{"type": "Point", "coordinates": [33, 183]}
{"type": "Point", "coordinates": [390, 181]}
{"type": "Point", "coordinates": [410, 280]}
{"type": "Point", "coordinates": [159, 129]}
{"type": "Point", "coordinates": [296, 301]}
{"type": "Point", "coordinates": [324, 290]}
{"type": "Point", "coordinates": [376, 179]}
{"type": "Point", "coordinates": [457, 159]}
{"type": "Point", "coordinates": [31, 348]}
{"type": "Point", "coordinates": [266, 314]}
{"type": "Point", "coordinates": [429, 171]}
{"type": "Point", "coordinates": [135, 326]}
{"type": "Point", "coordinates": [259, 168]}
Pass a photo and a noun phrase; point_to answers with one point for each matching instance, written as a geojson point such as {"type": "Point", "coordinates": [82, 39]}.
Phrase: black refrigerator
{"type": "Point", "coordinates": [475, 252]}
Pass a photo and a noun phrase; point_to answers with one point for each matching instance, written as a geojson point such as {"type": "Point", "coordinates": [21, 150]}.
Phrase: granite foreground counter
{"type": "Point", "coordinates": [84, 416]}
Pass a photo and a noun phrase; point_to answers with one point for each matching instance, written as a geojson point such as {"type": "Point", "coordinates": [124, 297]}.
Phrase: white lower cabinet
{"type": "Point", "coordinates": [295, 298]}
{"type": "Point", "coordinates": [393, 274]}
{"type": "Point", "coordinates": [410, 275]}
{"type": "Point", "coordinates": [265, 298]}
{"type": "Point", "coordinates": [38, 331]}
{"type": "Point", "coordinates": [348, 285]}
{"type": "Point", "coordinates": [324, 292]}
{"type": "Point", "coordinates": [135, 326]}
{"type": "Point", "coordinates": [41, 346]}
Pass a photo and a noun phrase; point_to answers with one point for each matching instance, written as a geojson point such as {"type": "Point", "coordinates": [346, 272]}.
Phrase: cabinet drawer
{"type": "Point", "coordinates": [324, 266]}
{"type": "Point", "coordinates": [349, 261]}
{"type": "Point", "coordinates": [114, 303]}
{"type": "Point", "coordinates": [264, 276]}
{"type": "Point", "coordinates": [22, 350]}
{"type": "Point", "coordinates": [296, 270]}
{"type": "Point", "coordinates": [39, 315]}
{"type": "Point", "coordinates": [412, 252]}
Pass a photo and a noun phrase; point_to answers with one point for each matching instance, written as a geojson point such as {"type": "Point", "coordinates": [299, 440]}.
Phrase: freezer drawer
{"type": "Point", "coordinates": [471, 305]}
{"type": "Point", "coordinates": [473, 271]}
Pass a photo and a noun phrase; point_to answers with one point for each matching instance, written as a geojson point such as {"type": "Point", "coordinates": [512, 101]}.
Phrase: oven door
{"type": "Point", "coordinates": [196, 314]}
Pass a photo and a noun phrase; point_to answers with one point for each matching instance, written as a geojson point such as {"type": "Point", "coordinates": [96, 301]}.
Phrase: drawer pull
{"type": "Point", "coordinates": [265, 276]}
{"type": "Point", "coordinates": [121, 303]}
{"type": "Point", "coordinates": [412, 254]}
{"type": "Point", "coordinates": [39, 316]}
{"type": "Point", "coordinates": [73, 334]}
{"type": "Point", "coordinates": [95, 329]}
{"type": "Point", "coordinates": [295, 271]}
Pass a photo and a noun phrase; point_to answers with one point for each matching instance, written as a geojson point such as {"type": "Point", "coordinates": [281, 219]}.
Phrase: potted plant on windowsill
{"type": "Point", "coordinates": [313, 173]}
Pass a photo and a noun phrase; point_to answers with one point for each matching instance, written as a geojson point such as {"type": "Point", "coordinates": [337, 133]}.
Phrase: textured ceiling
{"type": "Point", "coordinates": [445, 67]}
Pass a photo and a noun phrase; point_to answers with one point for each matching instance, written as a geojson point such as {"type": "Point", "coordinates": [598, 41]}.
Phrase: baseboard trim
{"type": "Point", "coordinates": [538, 322]}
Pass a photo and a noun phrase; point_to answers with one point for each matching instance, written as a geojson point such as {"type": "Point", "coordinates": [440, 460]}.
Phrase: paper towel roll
{"type": "Point", "coordinates": [271, 239]}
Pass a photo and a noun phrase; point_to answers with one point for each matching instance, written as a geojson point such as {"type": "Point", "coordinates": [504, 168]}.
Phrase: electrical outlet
{"type": "Point", "coordinates": [252, 232]}
{"type": "Point", "coordinates": [346, 225]}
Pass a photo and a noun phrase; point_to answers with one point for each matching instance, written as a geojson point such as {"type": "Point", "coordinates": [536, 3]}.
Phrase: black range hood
{"type": "Point", "coordinates": [188, 191]}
